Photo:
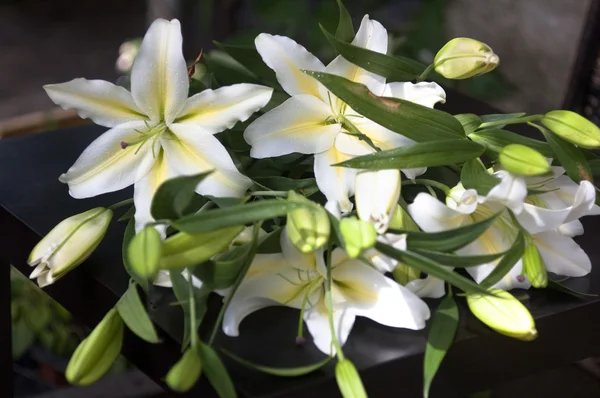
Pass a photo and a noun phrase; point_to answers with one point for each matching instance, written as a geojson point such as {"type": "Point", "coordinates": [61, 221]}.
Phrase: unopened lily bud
{"type": "Point", "coordinates": [183, 250]}
{"type": "Point", "coordinates": [307, 227]}
{"type": "Point", "coordinates": [402, 221]}
{"type": "Point", "coordinates": [68, 245]}
{"type": "Point", "coordinates": [376, 194]}
{"type": "Point", "coordinates": [534, 267]}
{"type": "Point", "coordinates": [505, 314]}
{"type": "Point", "coordinates": [144, 252]}
{"type": "Point", "coordinates": [95, 355]}
{"type": "Point", "coordinates": [462, 58]}
{"type": "Point", "coordinates": [573, 128]}
{"type": "Point", "coordinates": [522, 160]}
{"type": "Point", "coordinates": [184, 374]}
{"type": "Point", "coordinates": [358, 235]}
{"type": "Point", "coordinates": [127, 53]}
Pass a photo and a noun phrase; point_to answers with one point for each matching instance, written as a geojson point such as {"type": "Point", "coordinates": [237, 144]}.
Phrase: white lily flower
{"type": "Point", "coordinates": [298, 280]}
{"type": "Point", "coordinates": [376, 196]}
{"type": "Point", "coordinates": [314, 121]}
{"type": "Point", "coordinates": [157, 132]}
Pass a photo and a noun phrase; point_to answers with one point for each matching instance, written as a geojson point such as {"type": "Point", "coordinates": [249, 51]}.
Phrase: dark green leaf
{"type": "Point", "coordinates": [424, 154]}
{"type": "Point", "coordinates": [128, 214]}
{"type": "Point", "coordinates": [282, 372]}
{"type": "Point", "coordinates": [227, 70]}
{"type": "Point", "coordinates": [270, 243]}
{"type": "Point", "coordinates": [134, 315]}
{"type": "Point", "coordinates": [496, 139]}
{"type": "Point", "coordinates": [211, 220]}
{"type": "Point", "coordinates": [469, 121]}
{"type": "Point", "coordinates": [556, 285]}
{"type": "Point", "coordinates": [345, 29]}
{"type": "Point", "coordinates": [22, 338]}
{"type": "Point", "coordinates": [348, 380]}
{"type": "Point", "coordinates": [215, 372]}
{"type": "Point", "coordinates": [127, 237]}
{"type": "Point", "coordinates": [413, 121]}
{"type": "Point", "coordinates": [569, 156]}
{"type": "Point", "coordinates": [474, 176]}
{"type": "Point", "coordinates": [222, 272]}
{"type": "Point", "coordinates": [174, 195]}
{"type": "Point", "coordinates": [509, 260]}
{"type": "Point", "coordinates": [392, 68]}
{"type": "Point", "coordinates": [440, 338]}
{"type": "Point", "coordinates": [277, 183]}
{"type": "Point", "coordinates": [181, 290]}
{"type": "Point", "coordinates": [496, 117]}
{"type": "Point", "coordinates": [450, 240]}
{"type": "Point", "coordinates": [144, 252]}
{"type": "Point", "coordinates": [458, 261]}
{"type": "Point", "coordinates": [251, 59]}
{"type": "Point", "coordinates": [594, 166]}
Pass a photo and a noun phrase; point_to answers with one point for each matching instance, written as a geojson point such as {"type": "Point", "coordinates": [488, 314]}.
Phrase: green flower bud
{"type": "Point", "coordinates": [505, 314]}
{"type": "Point", "coordinates": [462, 58]}
{"type": "Point", "coordinates": [522, 160]}
{"type": "Point", "coordinates": [573, 128]}
{"type": "Point", "coordinates": [95, 355]}
{"type": "Point", "coordinates": [358, 235]}
{"type": "Point", "coordinates": [68, 245]}
{"type": "Point", "coordinates": [184, 374]}
{"type": "Point", "coordinates": [144, 252]}
{"type": "Point", "coordinates": [534, 267]}
{"type": "Point", "coordinates": [307, 227]}
{"type": "Point", "coordinates": [402, 221]}
{"type": "Point", "coordinates": [184, 250]}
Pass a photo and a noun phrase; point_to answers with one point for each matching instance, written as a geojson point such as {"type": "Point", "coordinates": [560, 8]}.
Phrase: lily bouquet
{"type": "Point", "coordinates": [336, 190]}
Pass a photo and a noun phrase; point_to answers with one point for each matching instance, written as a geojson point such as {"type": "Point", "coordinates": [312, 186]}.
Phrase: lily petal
{"type": "Point", "coordinates": [424, 93]}
{"type": "Point", "coordinates": [194, 150]}
{"type": "Point", "coordinates": [220, 109]}
{"type": "Point", "coordinates": [562, 255]}
{"type": "Point", "coordinates": [431, 215]}
{"type": "Point", "coordinates": [288, 58]}
{"type": "Point", "coordinates": [298, 125]}
{"type": "Point", "coordinates": [144, 191]}
{"type": "Point", "coordinates": [571, 229]}
{"type": "Point", "coordinates": [336, 183]}
{"type": "Point", "coordinates": [584, 201]}
{"type": "Point", "coordinates": [295, 258]}
{"type": "Point", "coordinates": [159, 80]}
{"type": "Point", "coordinates": [429, 287]}
{"type": "Point", "coordinates": [264, 263]}
{"type": "Point", "coordinates": [104, 166]}
{"type": "Point", "coordinates": [511, 191]}
{"type": "Point", "coordinates": [103, 102]}
{"type": "Point", "coordinates": [373, 295]}
{"type": "Point", "coordinates": [317, 321]}
{"type": "Point", "coordinates": [536, 219]}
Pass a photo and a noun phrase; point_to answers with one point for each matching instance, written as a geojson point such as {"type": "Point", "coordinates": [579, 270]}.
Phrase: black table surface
{"type": "Point", "coordinates": [32, 201]}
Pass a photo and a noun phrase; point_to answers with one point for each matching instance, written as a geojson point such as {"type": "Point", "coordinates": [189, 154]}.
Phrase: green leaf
{"type": "Point", "coordinates": [222, 272]}
{"type": "Point", "coordinates": [569, 156]}
{"type": "Point", "coordinates": [424, 154]}
{"type": "Point", "coordinates": [174, 195]}
{"type": "Point", "coordinates": [450, 240]}
{"type": "Point", "coordinates": [227, 70]}
{"type": "Point", "coordinates": [130, 213]}
{"type": "Point", "coordinates": [514, 254]}
{"type": "Point", "coordinates": [251, 59]}
{"type": "Point", "coordinates": [440, 338]}
{"type": "Point", "coordinates": [182, 294]}
{"type": "Point", "coordinates": [270, 243]}
{"type": "Point", "coordinates": [306, 186]}
{"type": "Point", "coordinates": [348, 380]}
{"type": "Point", "coordinates": [430, 267]}
{"type": "Point", "coordinates": [496, 139]}
{"type": "Point", "coordinates": [458, 261]}
{"type": "Point", "coordinates": [392, 68]}
{"type": "Point", "coordinates": [413, 121]}
{"type": "Point", "coordinates": [562, 288]}
{"type": "Point", "coordinates": [281, 372]}
{"type": "Point", "coordinates": [469, 121]}
{"type": "Point", "coordinates": [496, 117]}
{"type": "Point", "coordinates": [127, 237]}
{"type": "Point", "coordinates": [211, 220]}
{"type": "Point", "coordinates": [134, 315]}
{"type": "Point", "coordinates": [594, 166]}
{"type": "Point", "coordinates": [345, 28]}
{"type": "Point", "coordinates": [215, 372]}
{"type": "Point", "coordinates": [22, 338]}
{"type": "Point", "coordinates": [474, 176]}
{"type": "Point", "coordinates": [144, 252]}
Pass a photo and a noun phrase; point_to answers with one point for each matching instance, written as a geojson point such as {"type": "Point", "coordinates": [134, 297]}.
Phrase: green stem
{"type": "Point", "coordinates": [121, 204]}
{"type": "Point", "coordinates": [281, 194]}
{"type": "Point", "coordinates": [518, 120]}
{"type": "Point", "coordinates": [420, 181]}
{"type": "Point", "coordinates": [329, 305]}
{"type": "Point", "coordinates": [193, 320]}
{"type": "Point", "coordinates": [425, 73]}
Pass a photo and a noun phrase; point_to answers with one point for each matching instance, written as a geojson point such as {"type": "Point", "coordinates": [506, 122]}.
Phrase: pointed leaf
{"type": "Point", "coordinates": [413, 121]}
{"type": "Point", "coordinates": [458, 261]}
{"type": "Point", "coordinates": [182, 294]}
{"type": "Point", "coordinates": [345, 29]}
{"type": "Point", "coordinates": [278, 183]}
{"type": "Point", "coordinates": [226, 69]}
{"type": "Point", "coordinates": [281, 372]}
{"type": "Point", "coordinates": [127, 237]}
{"type": "Point", "coordinates": [440, 338]}
{"type": "Point", "coordinates": [251, 59]}
{"type": "Point", "coordinates": [130, 213]}
{"type": "Point", "coordinates": [215, 372]}
{"type": "Point", "coordinates": [134, 315]}
{"type": "Point", "coordinates": [496, 117]}
{"type": "Point", "coordinates": [496, 139]}
{"type": "Point", "coordinates": [509, 260]}
{"type": "Point", "coordinates": [474, 176]}
{"type": "Point", "coordinates": [348, 380]}
{"type": "Point", "coordinates": [569, 156]}
{"type": "Point", "coordinates": [174, 195]}
{"type": "Point", "coordinates": [469, 121]}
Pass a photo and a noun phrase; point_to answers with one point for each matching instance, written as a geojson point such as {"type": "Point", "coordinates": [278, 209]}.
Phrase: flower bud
{"type": "Point", "coordinates": [376, 196]}
{"type": "Point", "coordinates": [534, 267]}
{"type": "Point", "coordinates": [68, 245]}
{"type": "Point", "coordinates": [462, 58]}
{"type": "Point", "coordinates": [522, 160]}
{"type": "Point", "coordinates": [307, 227]}
{"type": "Point", "coordinates": [184, 374]}
{"type": "Point", "coordinates": [573, 128]}
{"type": "Point", "coordinates": [144, 252]}
{"type": "Point", "coordinates": [127, 53]}
{"type": "Point", "coordinates": [184, 250]}
{"type": "Point", "coordinates": [505, 314]}
{"type": "Point", "coordinates": [358, 235]}
{"type": "Point", "coordinates": [95, 355]}
{"type": "Point", "coordinates": [402, 221]}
